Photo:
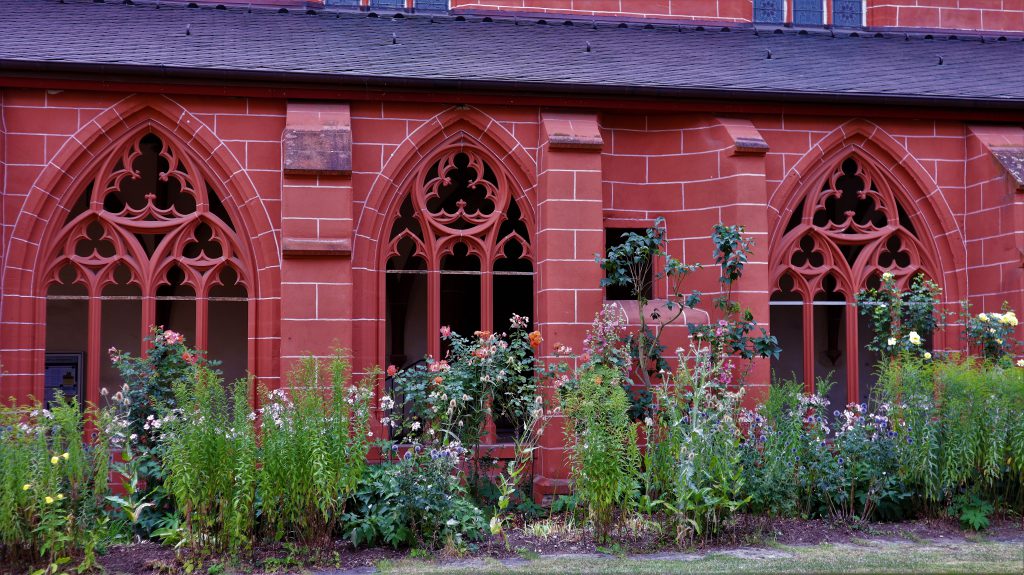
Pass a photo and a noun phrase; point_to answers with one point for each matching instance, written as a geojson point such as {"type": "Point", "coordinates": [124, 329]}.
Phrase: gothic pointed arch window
{"type": "Point", "coordinates": [147, 242]}
{"type": "Point", "coordinates": [458, 255]}
{"type": "Point", "coordinates": [844, 234]}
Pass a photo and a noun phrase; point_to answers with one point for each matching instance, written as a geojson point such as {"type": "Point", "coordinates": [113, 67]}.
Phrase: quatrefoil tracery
{"type": "Point", "coordinates": [152, 214]}
{"type": "Point", "coordinates": [459, 199]}
{"type": "Point", "coordinates": [850, 229]}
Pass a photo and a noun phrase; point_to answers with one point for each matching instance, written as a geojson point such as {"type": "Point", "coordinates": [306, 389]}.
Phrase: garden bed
{"type": "Point", "coordinates": [749, 531]}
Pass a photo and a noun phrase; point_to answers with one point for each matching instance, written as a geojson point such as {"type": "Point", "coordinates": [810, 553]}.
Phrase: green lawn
{"type": "Point", "coordinates": [862, 557]}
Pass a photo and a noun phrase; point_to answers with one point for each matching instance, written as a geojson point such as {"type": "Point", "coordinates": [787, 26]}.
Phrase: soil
{"type": "Point", "coordinates": [638, 539]}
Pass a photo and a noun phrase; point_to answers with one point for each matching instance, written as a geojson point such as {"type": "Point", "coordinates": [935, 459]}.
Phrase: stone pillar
{"type": "Point", "coordinates": [744, 201]}
{"type": "Point", "coordinates": [570, 231]}
{"type": "Point", "coordinates": [316, 231]}
{"type": "Point", "coordinates": [994, 219]}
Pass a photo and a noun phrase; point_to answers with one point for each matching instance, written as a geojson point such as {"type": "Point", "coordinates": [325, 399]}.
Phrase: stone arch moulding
{"type": "Point", "coordinates": [910, 184]}
{"type": "Point", "coordinates": [456, 127]}
{"type": "Point", "coordinates": [58, 187]}
{"type": "Point", "coordinates": [902, 224]}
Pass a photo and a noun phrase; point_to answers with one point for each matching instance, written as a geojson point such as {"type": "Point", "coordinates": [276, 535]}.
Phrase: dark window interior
{"type": "Point", "coordinates": [614, 237]}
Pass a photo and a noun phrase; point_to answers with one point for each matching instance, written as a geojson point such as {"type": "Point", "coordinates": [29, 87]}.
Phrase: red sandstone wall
{"type": "Point", "coordinates": [990, 15]}
{"type": "Point", "coordinates": [685, 167]}
{"type": "Point", "coordinates": [39, 123]}
{"type": "Point", "coordinates": [995, 15]}
{"type": "Point", "coordinates": [3, 179]}
{"type": "Point", "coordinates": [726, 10]}
{"type": "Point", "coordinates": [680, 166]}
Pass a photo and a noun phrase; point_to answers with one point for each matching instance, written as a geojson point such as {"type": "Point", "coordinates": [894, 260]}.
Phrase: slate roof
{"type": "Point", "coordinates": [420, 51]}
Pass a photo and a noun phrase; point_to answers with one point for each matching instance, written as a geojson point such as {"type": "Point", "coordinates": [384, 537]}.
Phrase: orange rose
{"type": "Point", "coordinates": [535, 339]}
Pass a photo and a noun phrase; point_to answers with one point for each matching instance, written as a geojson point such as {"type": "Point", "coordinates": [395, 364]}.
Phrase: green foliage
{"type": "Point", "coordinates": [901, 320]}
{"type": "Point", "coordinates": [732, 335]}
{"type": "Point", "coordinates": [316, 435]}
{"type": "Point", "coordinates": [147, 395]}
{"type": "Point", "coordinates": [484, 375]}
{"type": "Point", "coordinates": [417, 499]}
{"type": "Point", "coordinates": [510, 481]}
{"type": "Point", "coordinates": [971, 510]}
{"type": "Point", "coordinates": [991, 334]}
{"type": "Point", "coordinates": [209, 455]}
{"type": "Point", "coordinates": [797, 466]}
{"type": "Point", "coordinates": [230, 489]}
{"type": "Point", "coordinates": [604, 454]}
{"type": "Point", "coordinates": [53, 483]}
{"type": "Point", "coordinates": [772, 465]}
{"type": "Point", "coordinates": [630, 264]}
{"type": "Point", "coordinates": [695, 462]}
{"type": "Point", "coordinates": [959, 428]}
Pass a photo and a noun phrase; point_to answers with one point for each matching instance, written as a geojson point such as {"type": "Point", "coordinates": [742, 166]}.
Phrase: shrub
{"type": "Point", "coordinates": [901, 320]}
{"type": "Point", "coordinates": [487, 374]}
{"type": "Point", "coordinates": [210, 459]}
{"type": "Point", "coordinates": [778, 434]}
{"type": "Point", "coordinates": [230, 489]}
{"type": "Point", "coordinates": [148, 394]}
{"type": "Point", "coordinates": [602, 441]}
{"type": "Point", "coordinates": [316, 436]}
{"type": "Point", "coordinates": [696, 460]}
{"type": "Point", "coordinates": [417, 499]}
{"type": "Point", "coordinates": [53, 482]}
{"type": "Point", "coordinates": [796, 465]}
{"type": "Point", "coordinates": [959, 428]}
{"type": "Point", "coordinates": [991, 334]}
{"type": "Point", "coordinates": [866, 481]}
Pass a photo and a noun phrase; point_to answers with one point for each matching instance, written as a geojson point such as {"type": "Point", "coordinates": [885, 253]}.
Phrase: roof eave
{"type": "Point", "coordinates": [126, 73]}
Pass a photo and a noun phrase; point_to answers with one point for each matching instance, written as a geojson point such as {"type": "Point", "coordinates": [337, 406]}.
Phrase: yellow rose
{"type": "Point", "coordinates": [65, 455]}
{"type": "Point", "coordinates": [999, 341]}
{"type": "Point", "coordinates": [55, 460]}
{"type": "Point", "coordinates": [983, 317]}
{"type": "Point", "coordinates": [60, 497]}
{"type": "Point", "coordinates": [887, 276]}
{"type": "Point", "coordinates": [914, 338]}
{"type": "Point", "coordinates": [26, 487]}
{"type": "Point", "coordinates": [927, 355]}
{"type": "Point", "coordinates": [48, 500]}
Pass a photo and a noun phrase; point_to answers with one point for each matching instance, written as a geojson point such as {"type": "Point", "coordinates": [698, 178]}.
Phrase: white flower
{"type": "Point", "coordinates": [914, 338]}
{"type": "Point", "coordinates": [451, 523]}
{"type": "Point", "coordinates": [1020, 363]}
{"type": "Point", "coordinates": [983, 317]}
{"type": "Point", "coordinates": [415, 426]}
{"type": "Point", "coordinates": [927, 355]}
{"type": "Point", "coordinates": [892, 341]}
{"type": "Point", "coordinates": [887, 276]}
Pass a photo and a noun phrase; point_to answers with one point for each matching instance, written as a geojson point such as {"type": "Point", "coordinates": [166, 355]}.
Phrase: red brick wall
{"type": "Point", "coordinates": [994, 15]}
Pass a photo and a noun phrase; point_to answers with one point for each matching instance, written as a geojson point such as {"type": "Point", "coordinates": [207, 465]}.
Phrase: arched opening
{"type": "Point", "coordinates": [147, 242]}
{"type": "Point", "coordinates": [458, 256]}
{"type": "Point", "coordinates": [847, 229]}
